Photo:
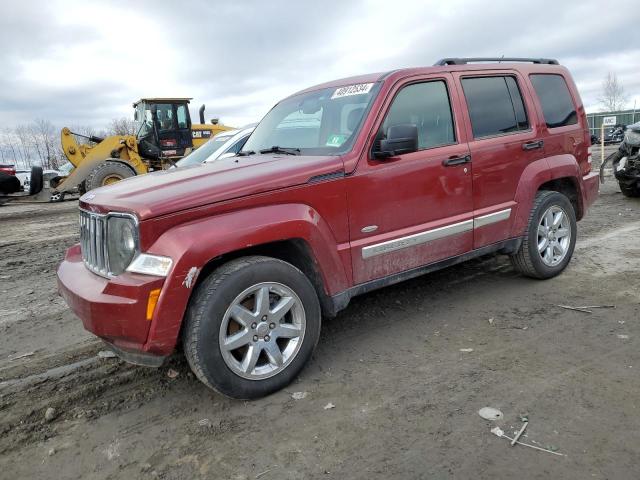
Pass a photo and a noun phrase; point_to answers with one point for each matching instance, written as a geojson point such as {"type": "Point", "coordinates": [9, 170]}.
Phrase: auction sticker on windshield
{"type": "Point", "coordinates": [349, 90]}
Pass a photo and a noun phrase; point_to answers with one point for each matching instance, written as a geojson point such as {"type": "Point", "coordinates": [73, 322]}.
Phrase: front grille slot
{"type": "Point", "coordinates": [93, 242]}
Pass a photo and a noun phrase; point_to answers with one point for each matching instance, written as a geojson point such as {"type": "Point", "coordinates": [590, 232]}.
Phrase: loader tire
{"type": "Point", "coordinates": [107, 173]}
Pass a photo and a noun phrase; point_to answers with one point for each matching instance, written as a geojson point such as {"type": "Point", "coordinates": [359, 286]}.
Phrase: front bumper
{"type": "Point", "coordinates": [113, 309]}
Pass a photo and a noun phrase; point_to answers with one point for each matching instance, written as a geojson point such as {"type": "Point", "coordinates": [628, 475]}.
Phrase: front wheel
{"type": "Point", "coordinates": [251, 327]}
{"type": "Point", "coordinates": [632, 190]}
{"type": "Point", "coordinates": [550, 239]}
{"type": "Point", "coordinates": [107, 173]}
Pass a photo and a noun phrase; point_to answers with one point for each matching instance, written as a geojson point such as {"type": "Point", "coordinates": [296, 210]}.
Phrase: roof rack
{"type": "Point", "coordinates": [464, 61]}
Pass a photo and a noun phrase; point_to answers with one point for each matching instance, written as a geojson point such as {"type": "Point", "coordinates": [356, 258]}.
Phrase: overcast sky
{"type": "Point", "coordinates": [84, 63]}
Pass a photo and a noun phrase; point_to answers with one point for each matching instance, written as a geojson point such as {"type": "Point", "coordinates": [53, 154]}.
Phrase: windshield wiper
{"type": "Point", "coordinates": [285, 150]}
{"type": "Point", "coordinates": [245, 153]}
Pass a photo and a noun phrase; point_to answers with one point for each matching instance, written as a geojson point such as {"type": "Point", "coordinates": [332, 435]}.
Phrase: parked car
{"type": "Point", "coordinates": [614, 135]}
{"type": "Point", "coordinates": [9, 169]}
{"type": "Point", "coordinates": [342, 188]}
{"type": "Point", "coordinates": [9, 183]}
{"type": "Point", "coordinates": [223, 145]}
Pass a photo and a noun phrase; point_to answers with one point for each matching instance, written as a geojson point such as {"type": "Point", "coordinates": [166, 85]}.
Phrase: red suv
{"type": "Point", "coordinates": [342, 188]}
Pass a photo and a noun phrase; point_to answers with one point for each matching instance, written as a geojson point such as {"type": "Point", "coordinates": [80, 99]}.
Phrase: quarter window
{"type": "Point", "coordinates": [427, 106]}
{"type": "Point", "coordinates": [495, 105]}
{"type": "Point", "coordinates": [557, 105]}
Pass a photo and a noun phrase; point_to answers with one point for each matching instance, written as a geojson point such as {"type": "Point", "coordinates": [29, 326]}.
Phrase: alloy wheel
{"type": "Point", "coordinates": [262, 330]}
{"type": "Point", "coordinates": [554, 236]}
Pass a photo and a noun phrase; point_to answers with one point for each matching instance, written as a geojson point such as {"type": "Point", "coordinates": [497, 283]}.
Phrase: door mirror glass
{"type": "Point", "coordinates": [400, 139]}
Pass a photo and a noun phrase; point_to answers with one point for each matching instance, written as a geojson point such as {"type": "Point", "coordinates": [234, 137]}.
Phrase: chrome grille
{"type": "Point", "coordinates": [93, 242]}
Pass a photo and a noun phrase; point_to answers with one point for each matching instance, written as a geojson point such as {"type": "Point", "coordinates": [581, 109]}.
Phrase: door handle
{"type": "Point", "coordinates": [453, 161]}
{"type": "Point", "coordinates": [533, 145]}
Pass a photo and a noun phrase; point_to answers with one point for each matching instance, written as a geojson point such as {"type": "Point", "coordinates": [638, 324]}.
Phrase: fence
{"type": "Point", "coordinates": [623, 117]}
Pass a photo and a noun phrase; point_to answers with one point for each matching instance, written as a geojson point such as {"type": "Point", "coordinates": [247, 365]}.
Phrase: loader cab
{"type": "Point", "coordinates": [163, 126]}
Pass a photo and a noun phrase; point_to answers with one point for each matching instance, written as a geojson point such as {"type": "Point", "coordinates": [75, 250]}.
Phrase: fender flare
{"type": "Point", "coordinates": [194, 244]}
{"type": "Point", "coordinates": [536, 174]}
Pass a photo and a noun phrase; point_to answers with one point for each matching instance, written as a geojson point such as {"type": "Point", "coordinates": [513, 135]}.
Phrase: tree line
{"type": "Point", "coordinates": [38, 142]}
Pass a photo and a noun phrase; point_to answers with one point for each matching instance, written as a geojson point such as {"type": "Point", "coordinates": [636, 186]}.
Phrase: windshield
{"type": "Point", "coordinates": [204, 152]}
{"type": "Point", "coordinates": [322, 122]}
{"type": "Point", "coordinates": [143, 120]}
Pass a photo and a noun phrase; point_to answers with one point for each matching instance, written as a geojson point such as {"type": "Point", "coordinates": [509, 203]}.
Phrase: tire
{"type": "Point", "coordinates": [209, 324]}
{"type": "Point", "coordinates": [36, 180]}
{"type": "Point", "coordinates": [106, 173]}
{"type": "Point", "coordinates": [529, 260]}
{"type": "Point", "coordinates": [632, 191]}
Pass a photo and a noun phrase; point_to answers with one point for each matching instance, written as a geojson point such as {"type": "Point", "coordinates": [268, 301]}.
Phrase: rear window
{"type": "Point", "coordinates": [495, 105]}
{"type": "Point", "coordinates": [557, 105]}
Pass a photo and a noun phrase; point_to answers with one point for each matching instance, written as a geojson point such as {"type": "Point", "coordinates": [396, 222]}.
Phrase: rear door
{"type": "Point", "coordinates": [504, 138]}
{"type": "Point", "coordinates": [415, 208]}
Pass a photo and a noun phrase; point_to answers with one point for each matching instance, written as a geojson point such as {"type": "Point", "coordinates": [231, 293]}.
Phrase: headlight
{"type": "Point", "coordinates": [122, 242]}
{"type": "Point", "coordinates": [151, 265]}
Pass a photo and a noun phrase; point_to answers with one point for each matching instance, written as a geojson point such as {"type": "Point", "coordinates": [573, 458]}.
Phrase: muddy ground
{"type": "Point", "coordinates": [406, 368]}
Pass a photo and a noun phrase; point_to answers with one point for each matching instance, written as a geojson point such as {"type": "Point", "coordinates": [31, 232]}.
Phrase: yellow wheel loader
{"type": "Point", "coordinates": [164, 134]}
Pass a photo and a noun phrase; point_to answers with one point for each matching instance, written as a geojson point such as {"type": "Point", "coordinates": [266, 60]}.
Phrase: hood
{"type": "Point", "coordinates": [163, 192]}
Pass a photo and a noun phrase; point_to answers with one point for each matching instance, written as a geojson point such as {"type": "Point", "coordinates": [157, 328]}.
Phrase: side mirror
{"type": "Point", "coordinates": [400, 139]}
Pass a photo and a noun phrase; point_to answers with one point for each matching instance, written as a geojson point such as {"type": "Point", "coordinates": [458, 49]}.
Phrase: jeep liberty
{"type": "Point", "coordinates": [342, 188]}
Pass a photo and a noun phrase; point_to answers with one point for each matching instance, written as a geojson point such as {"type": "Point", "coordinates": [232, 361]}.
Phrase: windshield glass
{"type": "Point", "coordinates": [204, 152]}
{"type": "Point", "coordinates": [322, 122]}
{"type": "Point", "coordinates": [143, 120]}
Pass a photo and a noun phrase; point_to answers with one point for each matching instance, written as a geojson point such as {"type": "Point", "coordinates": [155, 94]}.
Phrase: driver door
{"type": "Point", "coordinates": [416, 208]}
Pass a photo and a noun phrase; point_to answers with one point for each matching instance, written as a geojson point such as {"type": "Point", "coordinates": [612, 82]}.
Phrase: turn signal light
{"type": "Point", "coordinates": [151, 303]}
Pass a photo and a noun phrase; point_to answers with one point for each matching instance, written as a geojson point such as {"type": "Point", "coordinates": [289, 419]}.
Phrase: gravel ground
{"type": "Point", "coordinates": [405, 368]}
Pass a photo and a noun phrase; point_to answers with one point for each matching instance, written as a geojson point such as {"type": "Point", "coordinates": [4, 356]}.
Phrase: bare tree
{"type": "Point", "coordinates": [8, 151]}
{"type": "Point", "coordinates": [45, 143]}
{"type": "Point", "coordinates": [24, 146]}
{"type": "Point", "coordinates": [122, 126]}
{"type": "Point", "coordinates": [613, 96]}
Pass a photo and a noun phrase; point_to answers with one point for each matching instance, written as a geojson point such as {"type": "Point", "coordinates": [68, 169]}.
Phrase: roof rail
{"type": "Point", "coordinates": [464, 61]}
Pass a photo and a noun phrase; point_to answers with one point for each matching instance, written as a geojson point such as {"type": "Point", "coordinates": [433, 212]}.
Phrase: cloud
{"type": "Point", "coordinates": [76, 62]}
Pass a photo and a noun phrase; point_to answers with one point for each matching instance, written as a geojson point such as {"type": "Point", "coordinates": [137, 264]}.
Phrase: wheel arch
{"type": "Point", "coordinates": [295, 251]}
{"type": "Point", "coordinates": [294, 233]}
{"type": "Point", "coordinates": [560, 173]}
{"type": "Point", "coordinates": [568, 186]}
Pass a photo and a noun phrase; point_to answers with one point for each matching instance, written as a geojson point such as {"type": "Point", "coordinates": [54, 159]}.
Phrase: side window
{"type": "Point", "coordinates": [427, 106]}
{"type": "Point", "coordinates": [181, 114]}
{"type": "Point", "coordinates": [557, 105]}
{"type": "Point", "coordinates": [495, 105]}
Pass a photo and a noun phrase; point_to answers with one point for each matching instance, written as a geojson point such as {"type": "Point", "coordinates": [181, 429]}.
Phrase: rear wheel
{"type": "Point", "coordinates": [632, 190]}
{"type": "Point", "coordinates": [107, 173]}
{"type": "Point", "coordinates": [251, 327]}
{"type": "Point", "coordinates": [551, 237]}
